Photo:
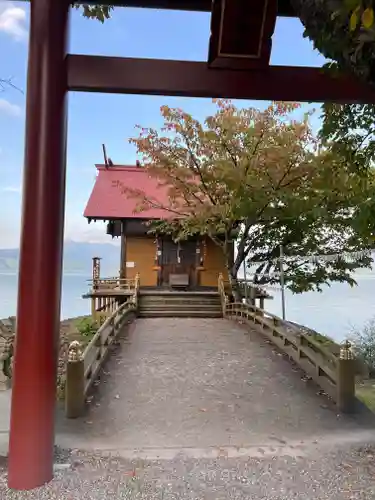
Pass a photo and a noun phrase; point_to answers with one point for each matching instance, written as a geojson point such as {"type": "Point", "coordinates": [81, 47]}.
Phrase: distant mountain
{"type": "Point", "coordinates": [77, 258]}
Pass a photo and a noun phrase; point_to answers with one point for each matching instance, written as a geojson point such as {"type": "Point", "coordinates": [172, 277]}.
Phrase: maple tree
{"type": "Point", "coordinates": [6, 83]}
{"type": "Point", "coordinates": [99, 12]}
{"type": "Point", "coordinates": [343, 31]}
{"type": "Point", "coordinates": [349, 131]}
{"type": "Point", "coordinates": [261, 179]}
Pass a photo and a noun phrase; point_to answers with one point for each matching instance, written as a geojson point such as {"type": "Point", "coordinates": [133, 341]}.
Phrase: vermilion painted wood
{"type": "Point", "coordinates": [107, 201]}
{"type": "Point", "coordinates": [284, 7]}
{"type": "Point", "coordinates": [38, 313]}
{"type": "Point", "coordinates": [241, 33]}
{"type": "Point", "coordinates": [195, 79]}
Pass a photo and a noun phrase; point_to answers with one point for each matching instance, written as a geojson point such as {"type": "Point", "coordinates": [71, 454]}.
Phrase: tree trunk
{"type": "Point", "coordinates": [234, 285]}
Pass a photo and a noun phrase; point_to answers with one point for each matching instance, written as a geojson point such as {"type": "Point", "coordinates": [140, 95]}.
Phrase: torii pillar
{"type": "Point", "coordinates": [38, 309]}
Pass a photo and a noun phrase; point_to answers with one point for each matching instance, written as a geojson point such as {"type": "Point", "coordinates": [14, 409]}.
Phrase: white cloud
{"type": "Point", "coordinates": [12, 189]}
{"type": "Point", "coordinates": [78, 229]}
{"type": "Point", "coordinates": [13, 21]}
{"type": "Point", "coordinates": [9, 108]}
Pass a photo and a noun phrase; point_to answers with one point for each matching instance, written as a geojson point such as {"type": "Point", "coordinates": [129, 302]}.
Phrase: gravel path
{"type": "Point", "coordinates": [342, 474]}
{"type": "Point", "coordinates": [196, 383]}
{"type": "Point", "coordinates": [206, 409]}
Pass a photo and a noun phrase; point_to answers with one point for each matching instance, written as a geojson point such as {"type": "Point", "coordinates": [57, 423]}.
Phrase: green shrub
{"type": "Point", "coordinates": [364, 345]}
{"type": "Point", "coordinates": [87, 327]}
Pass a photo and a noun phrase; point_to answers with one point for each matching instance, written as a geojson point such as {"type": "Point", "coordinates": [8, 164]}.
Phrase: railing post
{"type": "Point", "coordinates": [346, 365]}
{"type": "Point", "coordinates": [299, 339]}
{"type": "Point", "coordinates": [75, 382]}
{"type": "Point", "coordinates": [221, 290]}
{"type": "Point", "coordinates": [93, 308]}
{"type": "Point", "coordinates": [102, 344]}
{"type": "Point", "coordinates": [95, 272]}
{"type": "Point", "coordinates": [136, 289]}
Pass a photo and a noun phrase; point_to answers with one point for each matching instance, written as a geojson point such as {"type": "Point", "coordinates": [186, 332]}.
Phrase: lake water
{"type": "Point", "coordinates": [72, 304]}
{"type": "Point", "coordinates": [333, 312]}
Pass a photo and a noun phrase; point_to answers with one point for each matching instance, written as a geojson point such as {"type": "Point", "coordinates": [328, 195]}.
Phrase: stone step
{"type": "Point", "coordinates": [179, 304]}
{"type": "Point", "coordinates": [154, 313]}
{"type": "Point", "coordinates": [179, 314]}
{"type": "Point", "coordinates": [174, 303]}
{"type": "Point", "coordinates": [179, 296]}
{"type": "Point", "coordinates": [174, 293]}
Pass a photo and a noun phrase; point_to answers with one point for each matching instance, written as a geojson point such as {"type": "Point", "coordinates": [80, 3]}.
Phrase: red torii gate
{"type": "Point", "coordinates": [51, 73]}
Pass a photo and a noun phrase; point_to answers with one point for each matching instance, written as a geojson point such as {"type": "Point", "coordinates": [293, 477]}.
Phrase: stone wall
{"type": "Point", "coordinates": [68, 333]}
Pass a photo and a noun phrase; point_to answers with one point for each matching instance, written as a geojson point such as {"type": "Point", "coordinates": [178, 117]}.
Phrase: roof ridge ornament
{"type": "Point", "coordinates": [107, 161]}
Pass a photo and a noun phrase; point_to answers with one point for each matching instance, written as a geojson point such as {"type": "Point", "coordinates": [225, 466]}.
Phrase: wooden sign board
{"type": "Point", "coordinates": [241, 33]}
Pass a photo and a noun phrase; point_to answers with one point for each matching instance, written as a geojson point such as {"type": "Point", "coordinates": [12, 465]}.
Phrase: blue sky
{"type": "Point", "coordinates": [98, 118]}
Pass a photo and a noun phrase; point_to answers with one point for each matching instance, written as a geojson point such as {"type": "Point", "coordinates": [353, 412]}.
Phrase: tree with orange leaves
{"type": "Point", "coordinates": [261, 178]}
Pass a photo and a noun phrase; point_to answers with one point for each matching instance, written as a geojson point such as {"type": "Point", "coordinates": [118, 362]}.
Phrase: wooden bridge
{"type": "Point", "coordinates": [116, 303]}
{"type": "Point", "coordinates": [204, 388]}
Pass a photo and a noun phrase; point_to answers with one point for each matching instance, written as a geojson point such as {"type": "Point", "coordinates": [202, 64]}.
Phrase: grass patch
{"type": "Point", "coordinates": [365, 385]}
{"type": "Point", "coordinates": [82, 328]}
{"type": "Point", "coordinates": [86, 329]}
{"type": "Point", "coordinates": [365, 391]}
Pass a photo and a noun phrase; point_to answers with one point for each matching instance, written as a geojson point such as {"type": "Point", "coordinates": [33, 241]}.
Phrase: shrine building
{"type": "Point", "coordinates": [194, 264]}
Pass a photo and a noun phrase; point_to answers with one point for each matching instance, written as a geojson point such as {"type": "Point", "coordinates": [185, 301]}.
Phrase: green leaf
{"type": "Point", "coordinates": [353, 22]}
{"type": "Point", "coordinates": [368, 18]}
{"type": "Point", "coordinates": [351, 5]}
{"type": "Point", "coordinates": [99, 12]}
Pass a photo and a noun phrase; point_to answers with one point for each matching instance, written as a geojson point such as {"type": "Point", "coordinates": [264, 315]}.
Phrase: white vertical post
{"type": "Point", "coordinates": [245, 282]}
{"type": "Point", "coordinates": [282, 284]}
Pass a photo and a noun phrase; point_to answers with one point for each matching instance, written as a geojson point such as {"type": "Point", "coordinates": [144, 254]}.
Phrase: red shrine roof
{"type": "Point", "coordinates": [108, 202]}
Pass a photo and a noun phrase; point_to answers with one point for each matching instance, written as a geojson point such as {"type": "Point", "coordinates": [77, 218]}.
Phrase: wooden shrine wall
{"type": "Point", "coordinates": [214, 263]}
{"type": "Point", "coordinates": [140, 258]}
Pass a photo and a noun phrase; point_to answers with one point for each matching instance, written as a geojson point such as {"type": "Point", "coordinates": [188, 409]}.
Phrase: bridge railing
{"type": "Point", "coordinates": [103, 306]}
{"type": "Point", "coordinates": [334, 374]}
{"type": "Point", "coordinates": [108, 305]}
{"type": "Point", "coordinates": [112, 282]}
{"type": "Point", "coordinates": [83, 367]}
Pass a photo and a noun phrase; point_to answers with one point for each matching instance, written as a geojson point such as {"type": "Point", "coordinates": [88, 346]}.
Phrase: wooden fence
{"type": "Point", "coordinates": [83, 368]}
{"type": "Point", "coordinates": [103, 306]}
{"type": "Point", "coordinates": [113, 283]}
{"type": "Point", "coordinates": [334, 374]}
